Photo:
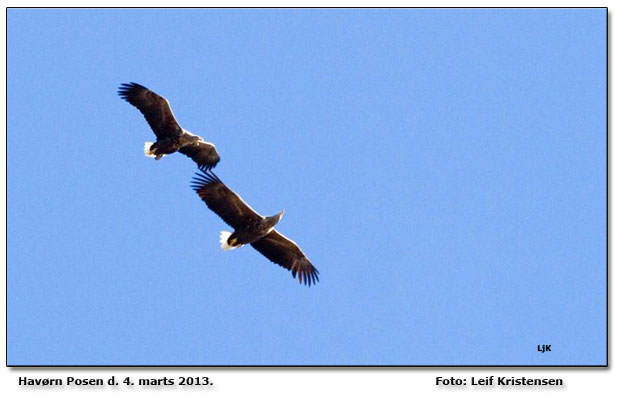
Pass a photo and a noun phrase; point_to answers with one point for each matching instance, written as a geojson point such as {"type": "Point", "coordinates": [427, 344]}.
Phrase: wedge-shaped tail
{"type": "Point", "coordinates": [223, 237]}
{"type": "Point", "coordinates": [147, 151]}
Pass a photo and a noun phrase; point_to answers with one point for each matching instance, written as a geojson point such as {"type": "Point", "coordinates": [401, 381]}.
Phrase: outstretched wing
{"type": "Point", "coordinates": [155, 109]}
{"type": "Point", "coordinates": [284, 252]}
{"type": "Point", "coordinates": [203, 153]}
{"type": "Point", "coordinates": [222, 200]}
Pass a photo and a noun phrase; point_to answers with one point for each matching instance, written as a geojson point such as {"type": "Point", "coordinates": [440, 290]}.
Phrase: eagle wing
{"type": "Point", "coordinates": [155, 109]}
{"type": "Point", "coordinates": [286, 253]}
{"type": "Point", "coordinates": [222, 200]}
{"type": "Point", "coordinates": [203, 153]}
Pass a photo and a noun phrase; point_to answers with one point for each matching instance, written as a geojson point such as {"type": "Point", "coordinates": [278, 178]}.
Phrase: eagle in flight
{"type": "Point", "coordinates": [252, 228]}
{"type": "Point", "coordinates": [170, 136]}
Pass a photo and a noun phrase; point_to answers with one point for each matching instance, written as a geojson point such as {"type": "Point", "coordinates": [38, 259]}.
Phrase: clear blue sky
{"type": "Point", "coordinates": [445, 170]}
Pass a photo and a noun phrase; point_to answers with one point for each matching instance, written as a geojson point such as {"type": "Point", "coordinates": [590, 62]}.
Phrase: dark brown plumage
{"type": "Point", "coordinates": [170, 136]}
{"type": "Point", "coordinates": [252, 228]}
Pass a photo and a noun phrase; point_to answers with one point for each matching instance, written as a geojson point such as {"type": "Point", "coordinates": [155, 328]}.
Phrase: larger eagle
{"type": "Point", "coordinates": [252, 228]}
{"type": "Point", "coordinates": [170, 136]}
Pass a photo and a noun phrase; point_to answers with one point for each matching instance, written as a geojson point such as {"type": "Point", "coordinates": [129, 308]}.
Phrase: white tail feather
{"type": "Point", "coordinates": [147, 150]}
{"type": "Point", "coordinates": [223, 237]}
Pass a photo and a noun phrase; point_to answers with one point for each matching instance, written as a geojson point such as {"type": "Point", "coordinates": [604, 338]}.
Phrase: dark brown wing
{"type": "Point", "coordinates": [222, 200]}
{"type": "Point", "coordinates": [203, 153]}
{"type": "Point", "coordinates": [284, 252]}
{"type": "Point", "coordinates": [155, 109]}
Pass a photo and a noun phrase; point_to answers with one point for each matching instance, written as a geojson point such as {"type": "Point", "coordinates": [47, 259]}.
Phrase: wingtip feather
{"type": "Point", "coordinates": [125, 89]}
{"type": "Point", "coordinates": [202, 178]}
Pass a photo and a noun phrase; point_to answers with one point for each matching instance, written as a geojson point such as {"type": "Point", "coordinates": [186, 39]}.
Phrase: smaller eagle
{"type": "Point", "coordinates": [252, 228]}
{"type": "Point", "coordinates": [170, 136]}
